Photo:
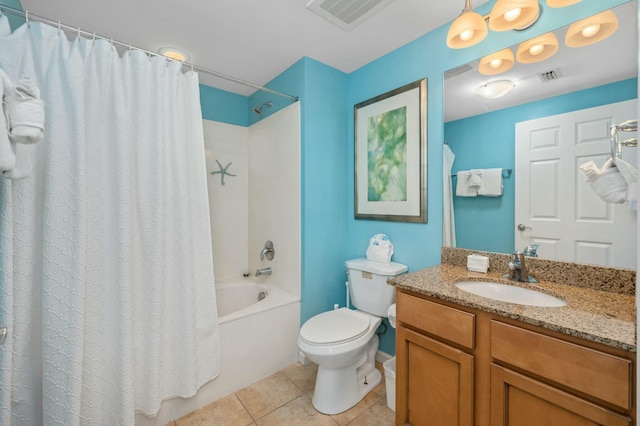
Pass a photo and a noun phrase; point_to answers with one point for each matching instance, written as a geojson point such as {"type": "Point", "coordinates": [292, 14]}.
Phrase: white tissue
{"type": "Point", "coordinates": [477, 263]}
{"type": "Point", "coordinates": [380, 249]}
{"type": "Point", "coordinates": [391, 314]}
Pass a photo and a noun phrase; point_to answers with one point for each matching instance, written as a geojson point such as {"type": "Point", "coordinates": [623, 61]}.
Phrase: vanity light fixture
{"type": "Point", "coordinates": [592, 29]}
{"type": "Point", "coordinates": [513, 14]}
{"type": "Point", "coordinates": [468, 29]}
{"type": "Point", "coordinates": [496, 63]}
{"type": "Point", "coordinates": [537, 49]}
{"type": "Point", "coordinates": [174, 53]}
{"type": "Point", "coordinates": [495, 89]}
{"type": "Point", "coordinates": [561, 3]}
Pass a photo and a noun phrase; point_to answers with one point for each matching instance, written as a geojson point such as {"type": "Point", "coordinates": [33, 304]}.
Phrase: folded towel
{"type": "Point", "coordinates": [380, 249]}
{"type": "Point", "coordinates": [462, 185]}
{"type": "Point", "coordinates": [491, 185]}
{"type": "Point", "coordinates": [23, 167]}
{"type": "Point", "coordinates": [630, 175]}
{"type": "Point", "coordinates": [475, 178]}
{"type": "Point", "coordinates": [25, 112]}
{"type": "Point", "coordinates": [608, 183]}
{"type": "Point", "coordinates": [7, 154]}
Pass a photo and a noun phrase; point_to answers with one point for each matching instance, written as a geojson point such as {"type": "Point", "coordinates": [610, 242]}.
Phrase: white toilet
{"type": "Point", "coordinates": [343, 342]}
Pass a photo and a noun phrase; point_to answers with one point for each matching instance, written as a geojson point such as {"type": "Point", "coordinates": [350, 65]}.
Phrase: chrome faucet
{"type": "Point", "coordinates": [267, 251]}
{"type": "Point", "coordinates": [263, 271]}
{"type": "Point", "coordinates": [531, 250]}
{"type": "Point", "coordinates": [518, 269]}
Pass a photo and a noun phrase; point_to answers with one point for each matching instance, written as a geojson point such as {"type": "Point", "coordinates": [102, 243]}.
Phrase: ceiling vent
{"type": "Point", "coordinates": [551, 75]}
{"type": "Point", "coordinates": [347, 14]}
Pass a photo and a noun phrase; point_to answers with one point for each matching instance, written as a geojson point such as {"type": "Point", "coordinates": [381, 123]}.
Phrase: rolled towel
{"type": "Point", "coordinates": [608, 183]}
{"type": "Point", "coordinates": [25, 112]}
{"type": "Point", "coordinates": [380, 249]}
{"type": "Point", "coordinates": [463, 189]}
{"type": "Point", "coordinates": [491, 185]}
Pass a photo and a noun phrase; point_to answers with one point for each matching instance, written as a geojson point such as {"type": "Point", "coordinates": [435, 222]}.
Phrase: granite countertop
{"type": "Point", "coordinates": [595, 315]}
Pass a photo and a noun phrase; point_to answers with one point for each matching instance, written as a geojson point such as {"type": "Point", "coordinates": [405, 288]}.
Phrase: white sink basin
{"type": "Point", "coordinates": [509, 293]}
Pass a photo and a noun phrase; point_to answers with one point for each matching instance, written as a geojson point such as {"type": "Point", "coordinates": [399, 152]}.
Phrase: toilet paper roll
{"type": "Point", "coordinates": [391, 314]}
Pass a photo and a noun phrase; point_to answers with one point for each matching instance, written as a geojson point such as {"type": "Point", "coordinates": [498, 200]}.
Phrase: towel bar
{"type": "Point", "coordinates": [616, 143]}
{"type": "Point", "coordinates": [505, 173]}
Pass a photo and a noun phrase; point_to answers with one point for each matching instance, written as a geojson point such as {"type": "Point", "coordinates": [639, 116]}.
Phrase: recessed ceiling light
{"type": "Point", "coordinates": [495, 89]}
{"type": "Point", "coordinates": [174, 53]}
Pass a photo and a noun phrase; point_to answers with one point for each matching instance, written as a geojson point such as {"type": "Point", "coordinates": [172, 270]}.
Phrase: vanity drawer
{"type": "Point", "coordinates": [586, 370]}
{"type": "Point", "coordinates": [442, 321]}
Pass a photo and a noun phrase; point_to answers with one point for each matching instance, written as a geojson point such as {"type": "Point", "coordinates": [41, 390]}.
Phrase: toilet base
{"type": "Point", "coordinates": [338, 389]}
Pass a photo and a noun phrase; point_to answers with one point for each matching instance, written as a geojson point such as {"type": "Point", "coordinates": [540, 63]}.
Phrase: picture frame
{"type": "Point", "coordinates": [391, 155]}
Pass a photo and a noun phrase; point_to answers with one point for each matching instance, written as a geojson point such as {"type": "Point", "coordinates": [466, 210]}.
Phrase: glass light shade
{"type": "Point", "coordinates": [537, 49]}
{"type": "Point", "coordinates": [513, 14]}
{"type": "Point", "coordinates": [592, 29]}
{"type": "Point", "coordinates": [174, 53]}
{"type": "Point", "coordinates": [495, 89]}
{"type": "Point", "coordinates": [468, 29]}
{"type": "Point", "coordinates": [496, 63]}
{"type": "Point", "coordinates": [561, 3]}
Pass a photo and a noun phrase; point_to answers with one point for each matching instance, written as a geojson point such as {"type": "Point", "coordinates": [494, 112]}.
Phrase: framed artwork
{"type": "Point", "coordinates": [391, 155]}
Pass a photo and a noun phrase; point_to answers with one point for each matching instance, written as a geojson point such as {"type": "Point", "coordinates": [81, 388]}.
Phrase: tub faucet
{"type": "Point", "coordinates": [518, 269]}
{"type": "Point", "coordinates": [263, 271]}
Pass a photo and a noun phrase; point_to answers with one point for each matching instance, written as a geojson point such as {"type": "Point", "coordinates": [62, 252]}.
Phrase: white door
{"type": "Point", "coordinates": [560, 211]}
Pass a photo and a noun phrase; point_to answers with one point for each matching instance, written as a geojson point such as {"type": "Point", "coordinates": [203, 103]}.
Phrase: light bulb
{"type": "Point", "coordinates": [495, 63]}
{"type": "Point", "coordinates": [591, 30]}
{"type": "Point", "coordinates": [512, 14]}
{"type": "Point", "coordinates": [466, 35]}
{"type": "Point", "coordinates": [536, 49]}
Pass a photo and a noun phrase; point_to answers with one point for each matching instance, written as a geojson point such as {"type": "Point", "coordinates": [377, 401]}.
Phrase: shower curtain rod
{"type": "Point", "coordinates": [30, 16]}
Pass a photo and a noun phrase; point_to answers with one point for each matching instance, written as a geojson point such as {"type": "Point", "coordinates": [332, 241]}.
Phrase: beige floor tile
{"type": "Point", "coordinates": [227, 411]}
{"type": "Point", "coordinates": [268, 394]}
{"type": "Point", "coordinates": [303, 376]}
{"type": "Point", "coordinates": [377, 415]}
{"type": "Point", "coordinates": [299, 412]}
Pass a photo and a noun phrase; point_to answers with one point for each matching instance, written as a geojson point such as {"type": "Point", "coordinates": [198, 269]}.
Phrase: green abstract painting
{"type": "Point", "coordinates": [387, 156]}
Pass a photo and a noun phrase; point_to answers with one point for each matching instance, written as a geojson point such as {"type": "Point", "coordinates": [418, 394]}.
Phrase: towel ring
{"type": "Point", "coordinates": [616, 143]}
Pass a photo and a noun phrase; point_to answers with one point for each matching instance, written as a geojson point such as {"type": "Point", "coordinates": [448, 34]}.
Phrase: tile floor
{"type": "Point", "coordinates": [285, 399]}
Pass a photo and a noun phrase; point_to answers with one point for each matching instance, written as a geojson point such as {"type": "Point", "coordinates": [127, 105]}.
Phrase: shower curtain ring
{"type": "Point", "coordinates": [59, 26]}
{"type": "Point", "coordinates": [78, 32]}
{"type": "Point", "coordinates": [26, 16]}
{"type": "Point", "coordinates": [94, 36]}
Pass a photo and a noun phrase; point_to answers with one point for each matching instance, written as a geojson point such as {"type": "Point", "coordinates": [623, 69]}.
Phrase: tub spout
{"type": "Point", "coordinates": [263, 271]}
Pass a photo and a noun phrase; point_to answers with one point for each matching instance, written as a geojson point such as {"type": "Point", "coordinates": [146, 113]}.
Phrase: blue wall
{"type": "Point", "coordinates": [485, 223]}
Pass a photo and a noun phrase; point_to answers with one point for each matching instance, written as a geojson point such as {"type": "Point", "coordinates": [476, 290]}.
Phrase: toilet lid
{"type": "Point", "coordinates": [337, 326]}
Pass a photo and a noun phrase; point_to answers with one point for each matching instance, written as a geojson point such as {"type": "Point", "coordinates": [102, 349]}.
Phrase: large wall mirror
{"type": "Point", "coordinates": [481, 132]}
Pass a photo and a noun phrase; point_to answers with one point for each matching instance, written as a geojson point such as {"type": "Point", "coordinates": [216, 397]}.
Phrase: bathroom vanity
{"type": "Point", "coordinates": [468, 360]}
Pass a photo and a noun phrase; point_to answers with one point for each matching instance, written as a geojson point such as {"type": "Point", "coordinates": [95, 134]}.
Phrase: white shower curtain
{"type": "Point", "coordinates": [105, 249]}
{"type": "Point", "coordinates": [448, 220]}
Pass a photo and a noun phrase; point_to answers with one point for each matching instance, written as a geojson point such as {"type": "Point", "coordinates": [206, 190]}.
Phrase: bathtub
{"type": "Point", "coordinates": [259, 326]}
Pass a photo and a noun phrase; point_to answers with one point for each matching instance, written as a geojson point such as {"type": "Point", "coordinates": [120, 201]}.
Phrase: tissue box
{"type": "Point", "coordinates": [477, 263]}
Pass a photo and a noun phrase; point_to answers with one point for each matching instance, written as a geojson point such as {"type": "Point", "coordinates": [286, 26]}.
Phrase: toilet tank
{"type": "Point", "coordinates": [368, 284]}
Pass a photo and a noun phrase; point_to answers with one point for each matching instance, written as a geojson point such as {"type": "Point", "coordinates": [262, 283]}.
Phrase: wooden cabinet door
{"type": "Point", "coordinates": [434, 384]}
{"type": "Point", "coordinates": [518, 400]}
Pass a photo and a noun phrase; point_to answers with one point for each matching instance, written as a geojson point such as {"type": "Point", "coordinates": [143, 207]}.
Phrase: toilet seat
{"type": "Point", "coordinates": [333, 327]}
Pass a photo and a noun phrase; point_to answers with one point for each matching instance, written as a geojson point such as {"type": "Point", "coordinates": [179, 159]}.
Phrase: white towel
{"type": "Point", "coordinates": [25, 112]}
{"type": "Point", "coordinates": [7, 154]}
{"type": "Point", "coordinates": [608, 183]}
{"type": "Point", "coordinates": [380, 249]}
{"type": "Point", "coordinates": [630, 175]}
{"type": "Point", "coordinates": [491, 185]}
{"type": "Point", "coordinates": [462, 185]}
{"type": "Point", "coordinates": [475, 178]}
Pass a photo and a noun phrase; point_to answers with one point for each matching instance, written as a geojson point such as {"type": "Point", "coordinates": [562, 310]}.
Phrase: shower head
{"type": "Point", "coordinates": [258, 109]}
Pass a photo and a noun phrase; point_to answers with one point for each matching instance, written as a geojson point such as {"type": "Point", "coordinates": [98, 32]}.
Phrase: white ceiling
{"type": "Point", "coordinates": [612, 59]}
{"type": "Point", "coordinates": [253, 40]}
{"type": "Point", "coordinates": [256, 40]}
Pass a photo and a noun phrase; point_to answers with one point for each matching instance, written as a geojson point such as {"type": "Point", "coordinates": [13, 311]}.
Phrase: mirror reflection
{"type": "Point", "coordinates": [481, 133]}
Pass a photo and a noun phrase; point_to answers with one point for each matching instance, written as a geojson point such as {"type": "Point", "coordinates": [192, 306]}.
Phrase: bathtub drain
{"type": "Point", "coordinates": [261, 295]}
